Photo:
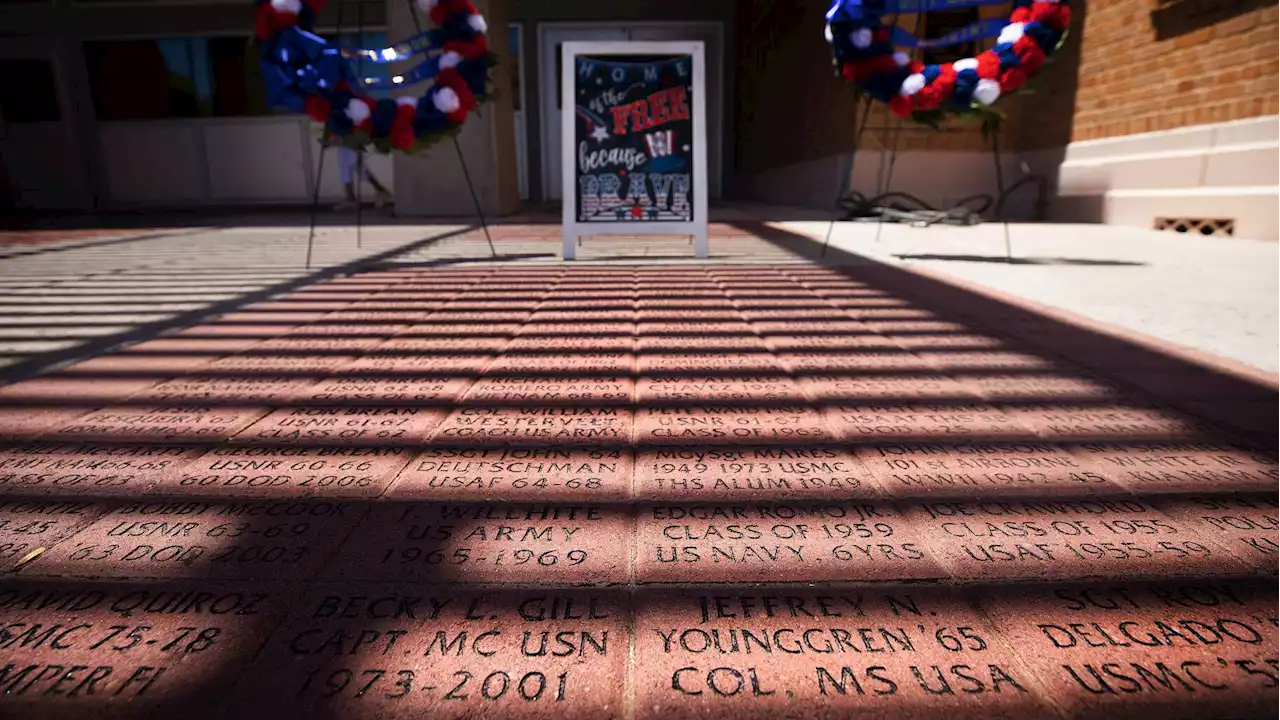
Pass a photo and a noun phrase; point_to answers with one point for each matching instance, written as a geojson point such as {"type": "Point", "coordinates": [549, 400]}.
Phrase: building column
{"type": "Point", "coordinates": [432, 184]}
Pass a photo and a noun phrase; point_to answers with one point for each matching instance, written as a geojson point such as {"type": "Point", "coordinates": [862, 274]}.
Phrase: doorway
{"type": "Point", "coordinates": [521, 123]}
{"type": "Point", "coordinates": [40, 160]}
{"type": "Point", "coordinates": [552, 35]}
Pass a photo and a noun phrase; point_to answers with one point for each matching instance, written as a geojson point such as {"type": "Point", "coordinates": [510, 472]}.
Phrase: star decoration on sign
{"type": "Point", "coordinates": [599, 134]}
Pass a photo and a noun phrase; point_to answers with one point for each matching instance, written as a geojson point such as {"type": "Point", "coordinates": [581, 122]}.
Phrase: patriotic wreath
{"type": "Point", "coordinates": [864, 52]}
{"type": "Point", "coordinates": [306, 73]}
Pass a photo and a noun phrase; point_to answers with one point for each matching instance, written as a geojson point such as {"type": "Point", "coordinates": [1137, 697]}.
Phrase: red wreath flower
{"type": "Point", "coordinates": [448, 8]}
{"type": "Point", "coordinates": [864, 49]}
{"type": "Point", "coordinates": [988, 65]}
{"type": "Point", "coordinates": [450, 78]}
{"type": "Point", "coordinates": [901, 106]}
{"type": "Point", "coordinates": [473, 50]}
{"type": "Point", "coordinates": [401, 135]}
{"type": "Point", "coordinates": [1031, 61]}
{"type": "Point", "coordinates": [1012, 79]}
{"type": "Point", "coordinates": [1055, 15]}
{"type": "Point", "coordinates": [318, 108]}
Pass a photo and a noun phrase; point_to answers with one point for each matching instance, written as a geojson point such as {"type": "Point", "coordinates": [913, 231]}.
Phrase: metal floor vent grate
{"type": "Point", "coordinates": [1222, 227]}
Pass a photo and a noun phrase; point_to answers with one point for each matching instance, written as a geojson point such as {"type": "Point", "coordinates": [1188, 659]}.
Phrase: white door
{"type": "Point", "coordinates": [516, 42]}
{"type": "Point", "coordinates": [550, 37]}
{"type": "Point", "coordinates": [40, 160]}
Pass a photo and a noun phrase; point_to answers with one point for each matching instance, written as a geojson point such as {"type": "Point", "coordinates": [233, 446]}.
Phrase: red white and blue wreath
{"type": "Point", "coordinates": [865, 52]}
{"type": "Point", "coordinates": [306, 73]}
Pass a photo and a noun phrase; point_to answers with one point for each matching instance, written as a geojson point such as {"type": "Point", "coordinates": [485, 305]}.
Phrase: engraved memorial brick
{"type": "Point", "coordinates": [730, 425]}
{"type": "Point", "coordinates": [489, 543]}
{"type": "Point", "coordinates": [804, 541]}
{"type": "Point", "coordinates": [367, 426]}
{"type": "Point", "coordinates": [774, 652]}
{"type": "Point", "coordinates": [121, 650]}
{"type": "Point", "coordinates": [863, 388]}
{"type": "Point", "coordinates": [373, 389]}
{"type": "Point", "coordinates": [89, 468]}
{"type": "Point", "coordinates": [413, 651]}
{"type": "Point", "coordinates": [229, 388]}
{"type": "Point", "coordinates": [660, 388]}
{"type": "Point", "coordinates": [949, 422]}
{"type": "Point", "coordinates": [589, 362]}
{"type": "Point", "coordinates": [654, 364]}
{"type": "Point", "coordinates": [1176, 650]}
{"type": "Point", "coordinates": [1065, 539]}
{"type": "Point", "coordinates": [1244, 524]}
{"type": "Point", "coordinates": [981, 468]}
{"type": "Point", "coordinates": [707, 473]}
{"type": "Point", "coordinates": [180, 538]}
{"type": "Point", "coordinates": [535, 426]}
{"type": "Point", "coordinates": [1105, 422]}
{"type": "Point", "coordinates": [516, 474]}
{"type": "Point", "coordinates": [270, 471]}
{"type": "Point", "coordinates": [550, 390]}
{"type": "Point", "coordinates": [1182, 465]}
{"type": "Point", "coordinates": [159, 423]}
{"type": "Point", "coordinates": [30, 524]}
{"type": "Point", "coordinates": [1058, 388]}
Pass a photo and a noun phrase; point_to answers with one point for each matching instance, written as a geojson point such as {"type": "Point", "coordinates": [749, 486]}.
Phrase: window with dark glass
{"type": "Point", "coordinates": [150, 79]}
{"type": "Point", "coordinates": [193, 77]}
{"type": "Point", "coordinates": [238, 87]}
{"type": "Point", "coordinates": [940, 22]}
{"type": "Point", "coordinates": [28, 91]}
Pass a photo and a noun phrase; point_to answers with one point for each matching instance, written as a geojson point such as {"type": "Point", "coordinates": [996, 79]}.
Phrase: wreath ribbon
{"type": "Point", "coordinates": [306, 73]}
{"type": "Point", "coordinates": [856, 10]}
{"type": "Point", "coordinates": [980, 30]}
{"type": "Point", "coordinates": [403, 50]}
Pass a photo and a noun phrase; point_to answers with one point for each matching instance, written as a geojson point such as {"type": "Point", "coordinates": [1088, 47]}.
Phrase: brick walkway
{"type": "Point", "coordinates": [71, 293]}
{"type": "Point", "coordinates": [750, 491]}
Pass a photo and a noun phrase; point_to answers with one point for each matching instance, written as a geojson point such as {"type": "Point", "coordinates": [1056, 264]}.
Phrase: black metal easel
{"type": "Point", "coordinates": [360, 166]}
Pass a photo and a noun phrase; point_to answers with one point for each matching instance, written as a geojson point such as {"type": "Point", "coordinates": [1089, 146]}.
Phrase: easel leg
{"type": "Point", "coordinates": [845, 180]}
{"type": "Point", "coordinates": [570, 245]}
{"type": "Point", "coordinates": [701, 243]}
{"type": "Point", "coordinates": [474, 197]}
{"type": "Point", "coordinates": [999, 207]}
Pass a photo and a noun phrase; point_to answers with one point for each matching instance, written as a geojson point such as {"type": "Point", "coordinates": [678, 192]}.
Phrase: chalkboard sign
{"type": "Point", "coordinates": [635, 145]}
{"type": "Point", "coordinates": [634, 137]}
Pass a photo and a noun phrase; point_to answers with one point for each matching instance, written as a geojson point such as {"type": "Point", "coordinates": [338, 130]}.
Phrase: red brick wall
{"type": "Point", "coordinates": [1147, 65]}
{"type": "Point", "coordinates": [1128, 66]}
{"type": "Point", "coordinates": [790, 105]}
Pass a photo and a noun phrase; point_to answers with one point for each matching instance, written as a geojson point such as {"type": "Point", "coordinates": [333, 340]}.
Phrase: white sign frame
{"type": "Point", "coordinates": [573, 230]}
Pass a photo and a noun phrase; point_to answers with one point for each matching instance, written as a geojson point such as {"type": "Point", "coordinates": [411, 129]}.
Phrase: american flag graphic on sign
{"type": "Point", "coordinates": [660, 143]}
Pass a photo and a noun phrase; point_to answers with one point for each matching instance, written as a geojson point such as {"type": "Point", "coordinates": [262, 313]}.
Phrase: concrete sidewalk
{"type": "Point", "coordinates": [1215, 295]}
